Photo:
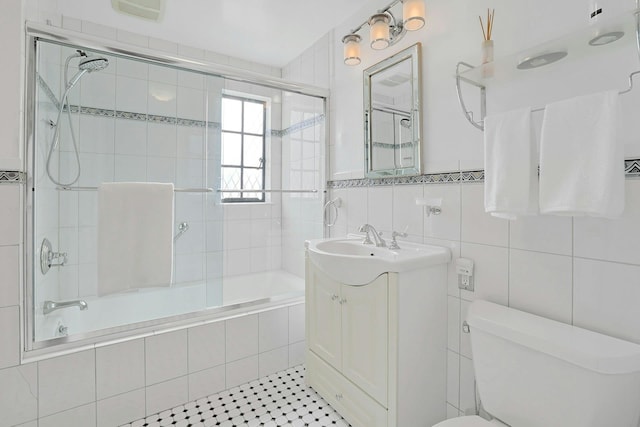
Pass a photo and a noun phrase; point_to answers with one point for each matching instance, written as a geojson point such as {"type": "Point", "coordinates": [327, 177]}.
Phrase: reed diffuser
{"type": "Point", "coordinates": [487, 43]}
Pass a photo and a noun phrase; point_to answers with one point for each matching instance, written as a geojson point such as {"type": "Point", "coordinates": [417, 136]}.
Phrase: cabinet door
{"type": "Point", "coordinates": [323, 316]}
{"type": "Point", "coordinates": [365, 336]}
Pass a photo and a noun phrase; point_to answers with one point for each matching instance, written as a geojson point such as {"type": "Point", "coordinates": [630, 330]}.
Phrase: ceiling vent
{"type": "Point", "coordinates": [151, 10]}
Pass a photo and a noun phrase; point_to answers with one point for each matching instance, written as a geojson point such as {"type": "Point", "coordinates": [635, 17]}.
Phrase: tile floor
{"type": "Point", "coordinates": [280, 399]}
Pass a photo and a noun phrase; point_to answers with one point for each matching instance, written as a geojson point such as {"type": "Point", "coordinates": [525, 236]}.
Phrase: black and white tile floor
{"type": "Point", "coordinates": [281, 399]}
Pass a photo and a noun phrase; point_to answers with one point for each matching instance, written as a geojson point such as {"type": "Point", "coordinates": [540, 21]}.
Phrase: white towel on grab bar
{"type": "Point", "coordinates": [510, 165]}
{"type": "Point", "coordinates": [135, 236]}
{"type": "Point", "coordinates": [581, 158]}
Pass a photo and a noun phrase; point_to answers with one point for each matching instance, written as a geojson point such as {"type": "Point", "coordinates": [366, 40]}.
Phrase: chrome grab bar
{"type": "Point", "coordinates": [50, 306]}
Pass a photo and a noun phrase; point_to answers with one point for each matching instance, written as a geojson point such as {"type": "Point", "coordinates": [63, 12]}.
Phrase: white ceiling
{"type": "Point", "coordinates": [269, 32]}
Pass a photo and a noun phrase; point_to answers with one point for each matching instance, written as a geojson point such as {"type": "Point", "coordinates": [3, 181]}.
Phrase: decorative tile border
{"type": "Point", "coordinates": [12, 177]}
{"type": "Point", "coordinates": [631, 168]}
{"type": "Point", "coordinates": [128, 115]}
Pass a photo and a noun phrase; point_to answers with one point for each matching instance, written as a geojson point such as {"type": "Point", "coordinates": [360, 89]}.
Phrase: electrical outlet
{"type": "Point", "coordinates": [464, 268]}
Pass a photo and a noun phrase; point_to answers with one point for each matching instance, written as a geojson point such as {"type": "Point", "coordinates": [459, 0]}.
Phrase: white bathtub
{"type": "Point", "coordinates": [129, 310]}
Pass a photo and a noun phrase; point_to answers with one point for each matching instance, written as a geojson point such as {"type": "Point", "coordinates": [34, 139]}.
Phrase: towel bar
{"type": "Point", "coordinates": [266, 191]}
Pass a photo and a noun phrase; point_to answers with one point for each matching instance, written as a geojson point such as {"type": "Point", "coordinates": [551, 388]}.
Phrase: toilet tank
{"type": "Point", "coordinates": [535, 372]}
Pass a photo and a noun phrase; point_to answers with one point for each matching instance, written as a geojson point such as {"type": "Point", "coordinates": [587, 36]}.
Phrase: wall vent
{"type": "Point", "coordinates": [152, 10]}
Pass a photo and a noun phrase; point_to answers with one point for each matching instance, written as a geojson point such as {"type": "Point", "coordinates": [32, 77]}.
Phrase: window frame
{"type": "Point", "coordinates": [241, 166]}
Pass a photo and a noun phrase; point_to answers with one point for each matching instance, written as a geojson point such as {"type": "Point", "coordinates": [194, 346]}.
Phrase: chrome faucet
{"type": "Point", "coordinates": [50, 306]}
{"type": "Point", "coordinates": [377, 239]}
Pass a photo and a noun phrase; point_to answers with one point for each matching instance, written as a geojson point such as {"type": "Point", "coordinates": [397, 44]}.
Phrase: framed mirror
{"type": "Point", "coordinates": [392, 115]}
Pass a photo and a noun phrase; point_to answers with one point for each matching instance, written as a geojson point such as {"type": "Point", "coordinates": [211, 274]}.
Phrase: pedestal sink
{"type": "Point", "coordinates": [348, 260]}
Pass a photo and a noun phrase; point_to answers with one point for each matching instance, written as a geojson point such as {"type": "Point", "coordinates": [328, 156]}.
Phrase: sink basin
{"type": "Point", "coordinates": [348, 261]}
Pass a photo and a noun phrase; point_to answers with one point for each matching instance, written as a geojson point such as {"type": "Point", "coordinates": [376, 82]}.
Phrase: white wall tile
{"type": "Point", "coordinates": [131, 94]}
{"type": "Point", "coordinates": [241, 337]}
{"type": "Point", "coordinates": [9, 281]}
{"type": "Point", "coordinates": [297, 353]}
{"type": "Point", "coordinates": [81, 416]}
{"type": "Point", "coordinates": [119, 368]}
{"type": "Point", "coordinates": [121, 409]}
{"type": "Point", "coordinates": [75, 374]}
{"type": "Point", "coordinates": [98, 91]}
{"type": "Point", "coordinates": [467, 385]}
{"type": "Point", "coordinates": [98, 30]}
{"type": "Point", "coordinates": [380, 208]}
{"type": "Point", "coordinates": [453, 323]}
{"type": "Point", "coordinates": [552, 234]}
{"type": "Point", "coordinates": [19, 394]}
{"type": "Point", "coordinates": [206, 346]}
{"type": "Point", "coordinates": [163, 46]}
{"type": "Point", "coordinates": [190, 103]}
{"type": "Point", "coordinates": [9, 336]}
{"type": "Point", "coordinates": [612, 240]}
{"type": "Point", "coordinates": [407, 216]}
{"type": "Point", "coordinates": [273, 361]}
{"type": "Point", "coordinates": [541, 284]}
{"type": "Point", "coordinates": [477, 225]}
{"type": "Point", "coordinates": [96, 135]}
{"type": "Point", "coordinates": [190, 141]}
{"type": "Point", "coordinates": [296, 323]}
{"type": "Point", "coordinates": [10, 230]}
{"type": "Point", "coordinates": [273, 329]}
{"type": "Point", "coordinates": [165, 356]}
{"type": "Point", "coordinates": [453, 378]}
{"type": "Point", "coordinates": [241, 371]}
{"type": "Point", "coordinates": [130, 68]}
{"type": "Point", "coordinates": [207, 382]}
{"type": "Point", "coordinates": [131, 137]}
{"type": "Point", "coordinates": [132, 38]}
{"type": "Point", "coordinates": [161, 140]}
{"type": "Point", "coordinates": [490, 272]}
{"type": "Point", "coordinates": [165, 395]}
{"type": "Point", "coordinates": [161, 99]}
{"type": "Point", "coordinates": [606, 298]}
{"type": "Point", "coordinates": [161, 169]}
{"type": "Point", "coordinates": [465, 339]}
{"type": "Point", "coordinates": [446, 225]}
{"type": "Point", "coordinates": [452, 276]}
{"type": "Point", "coordinates": [130, 168]}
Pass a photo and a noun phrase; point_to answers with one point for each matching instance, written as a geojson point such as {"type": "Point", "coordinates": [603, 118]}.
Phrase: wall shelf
{"type": "Point", "coordinates": [606, 34]}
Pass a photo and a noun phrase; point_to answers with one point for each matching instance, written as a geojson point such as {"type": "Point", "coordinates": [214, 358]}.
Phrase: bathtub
{"type": "Point", "coordinates": [127, 311]}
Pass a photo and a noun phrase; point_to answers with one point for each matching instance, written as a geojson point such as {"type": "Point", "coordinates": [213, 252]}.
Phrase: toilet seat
{"type": "Point", "coordinates": [471, 421]}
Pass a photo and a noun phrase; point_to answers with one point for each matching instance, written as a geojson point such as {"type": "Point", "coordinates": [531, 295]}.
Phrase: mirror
{"type": "Point", "coordinates": [392, 115]}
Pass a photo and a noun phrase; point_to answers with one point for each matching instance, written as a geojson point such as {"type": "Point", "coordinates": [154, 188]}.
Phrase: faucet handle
{"type": "Point", "coordinates": [367, 238]}
{"type": "Point", "coordinates": [394, 242]}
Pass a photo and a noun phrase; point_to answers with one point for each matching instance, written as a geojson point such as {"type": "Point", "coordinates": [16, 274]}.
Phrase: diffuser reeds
{"type": "Point", "coordinates": [488, 28]}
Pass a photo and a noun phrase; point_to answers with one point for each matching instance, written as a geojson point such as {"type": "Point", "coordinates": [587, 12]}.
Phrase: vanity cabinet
{"type": "Point", "coordinates": [374, 351]}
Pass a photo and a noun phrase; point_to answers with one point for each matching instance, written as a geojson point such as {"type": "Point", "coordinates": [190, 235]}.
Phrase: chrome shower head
{"type": "Point", "coordinates": [88, 64]}
{"type": "Point", "coordinates": [93, 63]}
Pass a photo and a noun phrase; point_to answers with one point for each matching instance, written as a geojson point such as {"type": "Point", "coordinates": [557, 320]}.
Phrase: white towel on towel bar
{"type": "Point", "coordinates": [135, 236]}
{"type": "Point", "coordinates": [581, 158]}
{"type": "Point", "coordinates": [510, 165]}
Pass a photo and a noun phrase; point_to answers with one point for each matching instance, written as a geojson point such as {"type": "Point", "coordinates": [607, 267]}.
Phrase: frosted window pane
{"type": "Point", "coordinates": [231, 149]}
{"type": "Point", "coordinates": [254, 118]}
{"type": "Point", "coordinates": [231, 114]}
{"type": "Point", "coordinates": [253, 151]}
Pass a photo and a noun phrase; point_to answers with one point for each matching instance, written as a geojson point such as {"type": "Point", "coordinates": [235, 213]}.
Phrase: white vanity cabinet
{"type": "Point", "coordinates": [377, 352]}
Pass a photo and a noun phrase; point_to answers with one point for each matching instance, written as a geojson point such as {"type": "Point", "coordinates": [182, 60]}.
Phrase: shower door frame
{"type": "Point", "coordinates": [36, 32]}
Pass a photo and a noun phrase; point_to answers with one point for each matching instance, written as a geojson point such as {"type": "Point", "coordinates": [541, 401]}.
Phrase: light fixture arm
{"type": "Point", "coordinates": [386, 10]}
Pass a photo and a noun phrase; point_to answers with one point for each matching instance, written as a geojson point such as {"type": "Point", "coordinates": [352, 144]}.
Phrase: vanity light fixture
{"type": "Point", "coordinates": [384, 29]}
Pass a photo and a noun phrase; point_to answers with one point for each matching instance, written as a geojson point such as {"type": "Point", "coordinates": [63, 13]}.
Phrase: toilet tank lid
{"type": "Point", "coordinates": [588, 349]}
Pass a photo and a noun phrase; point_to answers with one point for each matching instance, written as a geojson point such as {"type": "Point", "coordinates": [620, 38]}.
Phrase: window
{"type": "Point", "coordinates": [243, 148]}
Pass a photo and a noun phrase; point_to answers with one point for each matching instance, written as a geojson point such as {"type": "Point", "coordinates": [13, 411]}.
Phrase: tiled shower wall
{"type": "Point", "coordinates": [165, 129]}
{"type": "Point", "coordinates": [303, 155]}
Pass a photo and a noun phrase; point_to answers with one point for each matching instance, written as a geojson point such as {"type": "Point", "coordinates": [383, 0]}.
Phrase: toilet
{"type": "Point", "coordinates": [535, 372]}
